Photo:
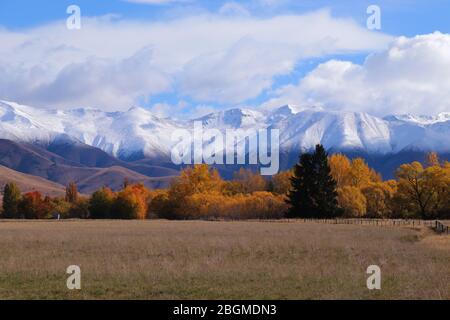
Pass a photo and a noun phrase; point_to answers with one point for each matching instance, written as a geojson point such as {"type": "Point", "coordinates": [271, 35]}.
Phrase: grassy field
{"type": "Point", "coordinates": [220, 260]}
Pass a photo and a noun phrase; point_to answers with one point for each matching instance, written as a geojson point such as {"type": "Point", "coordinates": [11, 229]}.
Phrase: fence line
{"type": "Point", "coordinates": [436, 225]}
{"type": "Point", "coordinates": [439, 227]}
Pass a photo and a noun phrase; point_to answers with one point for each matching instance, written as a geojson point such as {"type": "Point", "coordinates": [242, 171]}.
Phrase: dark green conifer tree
{"type": "Point", "coordinates": [313, 193]}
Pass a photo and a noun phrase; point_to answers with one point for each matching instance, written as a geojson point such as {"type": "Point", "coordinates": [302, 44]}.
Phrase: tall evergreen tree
{"type": "Point", "coordinates": [11, 200]}
{"type": "Point", "coordinates": [71, 192]}
{"type": "Point", "coordinates": [313, 193]}
{"type": "Point", "coordinates": [126, 183]}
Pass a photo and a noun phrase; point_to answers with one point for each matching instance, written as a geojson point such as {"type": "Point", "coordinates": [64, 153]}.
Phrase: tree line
{"type": "Point", "coordinates": [319, 186]}
{"type": "Point", "coordinates": [325, 186]}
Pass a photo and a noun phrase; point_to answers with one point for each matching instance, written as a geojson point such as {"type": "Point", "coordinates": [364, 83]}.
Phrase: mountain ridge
{"type": "Point", "coordinates": [140, 132]}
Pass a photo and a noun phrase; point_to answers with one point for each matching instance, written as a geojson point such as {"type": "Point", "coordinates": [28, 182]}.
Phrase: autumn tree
{"type": "Point", "coordinates": [71, 192]}
{"type": "Point", "coordinates": [33, 206]}
{"type": "Point", "coordinates": [80, 209]}
{"type": "Point", "coordinates": [340, 169]}
{"type": "Point", "coordinates": [281, 182]}
{"type": "Point", "coordinates": [361, 175]}
{"type": "Point", "coordinates": [131, 203]}
{"type": "Point", "coordinates": [444, 210]}
{"type": "Point", "coordinates": [11, 200]}
{"type": "Point", "coordinates": [160, 205]}
{"type": "Point", "coordinates": [313, 189]}
{"type": "Point", "coordinates": [422, 188]}
{"type": "Point", "coordinates": [100, 203]}
{"type": "Point", "coordinates": [432, 160]}
{"type": "Point", "coordinates": [232, 188]}
{"type": "Point", "coordinates": [61, 207]}
{"type": "Point", "coordinates": [379, 197]}
{"type": "Point", "coordinates": [352, 201]}
{"type": "Point", "coordinates": [126, 183]}
{"type": "Point", "coordinates": [249, 182]}
{"type": "Point", "coordinates": [193, 180]}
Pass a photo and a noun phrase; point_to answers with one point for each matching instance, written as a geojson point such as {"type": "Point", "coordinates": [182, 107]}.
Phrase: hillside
{"type": "Point", "coordinates": [64, 167]}
{"type": "Point", "coordinates": [29, 183]}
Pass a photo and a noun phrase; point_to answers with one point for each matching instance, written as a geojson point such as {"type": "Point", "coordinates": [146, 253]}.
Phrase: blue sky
{"type": "Point", "coordinates": [185, 89]}
{"type": "Point", "coordinates": [400, 17]}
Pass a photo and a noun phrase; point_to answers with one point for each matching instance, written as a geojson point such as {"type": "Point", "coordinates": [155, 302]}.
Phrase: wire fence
{"type": "Point", "coordinates": [438, 226]}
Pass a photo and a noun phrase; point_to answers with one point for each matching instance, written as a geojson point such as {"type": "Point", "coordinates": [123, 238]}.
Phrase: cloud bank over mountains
{"type": "Point", "coordinates": [224, 59]}
{"type": "Point", "coordinates": [210, 58]}
{"type": "Point", "coordinates": [411, 76]}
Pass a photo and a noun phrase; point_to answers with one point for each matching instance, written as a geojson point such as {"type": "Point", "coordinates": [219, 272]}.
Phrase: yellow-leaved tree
{"type": "Point", "coordinates": [199, 179]}
{"type": "Point", "coordinates": [352, 201]}
{"type": "Point", "coordinates": [379, 197]}
{"type": "Point", "coordinates": [361, 175]}
{"type": "Point", "coordinates": [281, 182]}
{"type": "Point", "coordinates": [340, 169]}
{"type": "Point", "coordinates": [248, 182]}
{"type": "Point", "coordinates": [423, 190]}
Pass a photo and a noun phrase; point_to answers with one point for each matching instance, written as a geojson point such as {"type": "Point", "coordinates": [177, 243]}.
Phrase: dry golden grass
{"type": "Point", "coordinates": [220, 260]}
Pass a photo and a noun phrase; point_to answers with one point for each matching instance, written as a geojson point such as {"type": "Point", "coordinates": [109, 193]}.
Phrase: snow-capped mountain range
{"type": "Point", "coordinates": [139, 132]}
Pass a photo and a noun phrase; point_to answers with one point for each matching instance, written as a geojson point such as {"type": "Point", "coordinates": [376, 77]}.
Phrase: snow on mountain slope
{"type": "Point", "coordinates": [420, 120]}
{"type": "Point", "coordinates": [420, 133]}
{"type": "Point", "coordinates": [121, 134]}
{"type": "Point", "coordinates": [137, 132]}
{"type": "Point", "coordinates": [233, 119]}
{"type": "Point", "coordinates": [336, 130]}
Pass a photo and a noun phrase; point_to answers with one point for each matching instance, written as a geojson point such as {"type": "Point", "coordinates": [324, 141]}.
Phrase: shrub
{"type": "Point", "coordinates": [259, 205]}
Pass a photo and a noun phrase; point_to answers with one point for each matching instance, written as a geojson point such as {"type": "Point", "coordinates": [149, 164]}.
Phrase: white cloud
{"type": "Point", "coordinates": [411, 76]}
{"type": "Point", "coordinates": [234, 9]}
{"type": "Point", "coordinates": [112, 63]}
{"type": "Point", "coordinates": [181, 110]}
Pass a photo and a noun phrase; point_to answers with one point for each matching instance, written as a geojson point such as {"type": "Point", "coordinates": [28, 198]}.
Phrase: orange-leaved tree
{"type": "Point", "coordinates": [33, 206]}
{"type": "Point", "coordinates": [129, 204]}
